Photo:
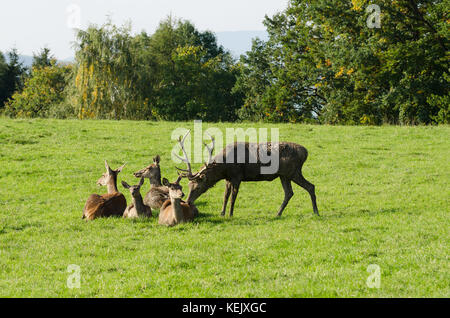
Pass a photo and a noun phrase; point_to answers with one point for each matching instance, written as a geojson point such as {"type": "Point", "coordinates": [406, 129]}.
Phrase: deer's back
{"type": "Point", "coordinates": [131, 212]}
{"type": "Point", "coordinates": [104, 206]}
{"type": "Point", "coordinates": [156, 197]}
{"type": "Point", "coordinates": [248, 168]}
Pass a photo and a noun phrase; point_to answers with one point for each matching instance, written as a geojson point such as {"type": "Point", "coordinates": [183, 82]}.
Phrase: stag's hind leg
{"type": "Point", "coordinates": [226, 196]}
{"type": "Point", "coordinates": [288, 193]}
{"type": "Point", "coordinates": [234, 194]}
{"type": "Point", "coordinates": [308, 186]}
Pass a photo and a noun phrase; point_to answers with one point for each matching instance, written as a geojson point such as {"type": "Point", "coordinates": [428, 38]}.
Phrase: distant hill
{"type": "Point", "coordinates": [239, 42]}
{"type": "Point", "coordinates": [25, 59]}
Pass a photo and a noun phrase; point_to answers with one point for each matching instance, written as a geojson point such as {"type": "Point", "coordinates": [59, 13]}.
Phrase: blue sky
{"type": "Point", "coordinates": [31, 24]}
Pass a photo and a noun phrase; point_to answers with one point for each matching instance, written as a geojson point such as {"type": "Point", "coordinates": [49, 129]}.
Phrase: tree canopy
{"type": "Point", "coordinates": [326, 61]}
{"type": "Point", "coordinates": [323, 61]}
{"type": "Point", "coordinates": [43, 92]}
{"type": "Point", "coordinates": [178, 73]}
{"type": "Point", "coordinates": [12, 75]}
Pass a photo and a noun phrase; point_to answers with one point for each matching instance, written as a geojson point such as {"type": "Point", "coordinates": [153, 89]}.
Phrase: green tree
{"type": "Point", "coordinates": [3, 71]}
{"type": "Point", "coordinates": [43, 59]}
{"type": "Point", "coordinates": [194, 76]}
{"type": "Point", "coordinates": [43, 92]}
{"type": "Point", "coordinates": [324, 59]}
{"type": "Point", "coordinates": [106, 72]}
{"type": "Point", "coordinates": [178, 73]}
{"type": "Point", "coordinates": [12, 75]}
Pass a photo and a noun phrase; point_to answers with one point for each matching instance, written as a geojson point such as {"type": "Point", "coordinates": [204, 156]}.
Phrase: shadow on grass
{"type": "Point", "coordinates": [259, 218]}
{"type": "Point", "coordinates": [359, 213]}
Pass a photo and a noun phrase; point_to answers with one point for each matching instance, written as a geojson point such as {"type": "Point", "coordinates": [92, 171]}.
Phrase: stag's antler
{"type": "Point", "coordinates": [210, 150]}
{"type": "Point", "coordinates": [186, 158]}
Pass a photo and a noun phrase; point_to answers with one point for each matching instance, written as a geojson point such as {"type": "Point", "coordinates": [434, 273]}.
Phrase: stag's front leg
{"type": "Point", "coordinates": [234, 193]}
{"type": "Point", "coordinates": [226, 197]}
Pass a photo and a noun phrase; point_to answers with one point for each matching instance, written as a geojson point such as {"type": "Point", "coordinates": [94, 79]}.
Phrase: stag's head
{"type": "Point", "coordinates": [134, 190]}
{"type": "Point", "coordinates": [153, 171]}
{"type": "Point", "coordinates": [110, 175]}
{"type": "Point", "coordinates": [198, 183]}
{"type": "Point", "coordinates": [175, 189]}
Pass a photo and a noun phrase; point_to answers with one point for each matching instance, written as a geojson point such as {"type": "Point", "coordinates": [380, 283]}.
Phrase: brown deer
{"type": "Point", "coordinates": [175, 210]}
{"type": "Point", "coordinates": [226, 166]}
{"type": "Point", "coordinates": [111, 204]}
{"type": "Point", "coordinates": [137, 208]}
{"type": "Point", "coordinates": [158, 193]}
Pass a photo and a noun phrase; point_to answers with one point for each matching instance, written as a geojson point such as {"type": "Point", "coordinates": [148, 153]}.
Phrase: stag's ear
{"type": "Point", "coordinates": [141, 182]}
{"type": "Point", "coordinates": [121, 168]}
{"type": "Point", "coordinates": [166, 182]}
{"type": "Point", "coordinates": [125, 185]}
{"type": "Point", "coordinates": [157, 159]}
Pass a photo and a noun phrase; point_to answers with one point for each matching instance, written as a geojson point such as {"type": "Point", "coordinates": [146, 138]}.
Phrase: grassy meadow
{"type": "Point", "coordinates": [383, 194]}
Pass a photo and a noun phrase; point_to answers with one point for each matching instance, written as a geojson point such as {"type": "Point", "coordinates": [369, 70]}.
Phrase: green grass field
{"type": "Point", "coordinates": [383, 194]}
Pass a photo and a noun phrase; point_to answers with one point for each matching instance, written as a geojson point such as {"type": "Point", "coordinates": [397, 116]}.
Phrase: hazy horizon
{"type": "Point", "coordinates": [48, 22]}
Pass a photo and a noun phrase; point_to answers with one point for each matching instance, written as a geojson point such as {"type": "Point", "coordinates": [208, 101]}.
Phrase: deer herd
{"type": "Point", "coordinates": [168, 197]}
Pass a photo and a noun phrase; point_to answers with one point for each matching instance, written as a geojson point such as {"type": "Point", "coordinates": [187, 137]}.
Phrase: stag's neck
{"type": "Point", "coordinates": [155, 182]}
{"type": "Point", "coordinates": [214, 175]}
{"type": "Point", "coordinates": [177, 209]}
{"type": "Point", "coordinates": [112, 186]}
{"type": "Point", "coordinates": [139, 204]}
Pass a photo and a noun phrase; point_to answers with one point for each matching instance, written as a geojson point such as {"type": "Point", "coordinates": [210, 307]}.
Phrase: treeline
{"type": "Point", "coordinates": [321, 64]}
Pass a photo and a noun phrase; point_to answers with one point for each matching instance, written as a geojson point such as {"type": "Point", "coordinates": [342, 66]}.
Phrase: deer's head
{"type": "Point", "coordinates": [175, 189]}
{"type": "Point", "coordinates": [110, 175]}
{"type": "Point", "coordinates": [200, 182]}
{"type": "Point", "coordinates": [153, 171]}
{"type": "Point", "coordinates": [134, 190]}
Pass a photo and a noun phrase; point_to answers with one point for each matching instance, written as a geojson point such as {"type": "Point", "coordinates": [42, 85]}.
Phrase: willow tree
{"type": "Point", "coordinates": [106, 73]}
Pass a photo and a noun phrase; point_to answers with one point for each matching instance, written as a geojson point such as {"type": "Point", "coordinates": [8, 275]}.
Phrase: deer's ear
{"type": "Point", "coordinates": [125, 185]}
{"type": "Point", "coordinates": [166, 182]}
{"type": "Point", "coordinates": [141, 182]}
{"type": "Point", "coordinates": [121, 168]}
{"type": "Point", "coordinates": [157, 159]}
{"type": "Point", "coordinates": [108, 169]}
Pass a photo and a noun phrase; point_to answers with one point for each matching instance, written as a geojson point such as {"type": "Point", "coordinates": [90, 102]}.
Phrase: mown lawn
{"type": "Point", "coordinates": [383, 194]}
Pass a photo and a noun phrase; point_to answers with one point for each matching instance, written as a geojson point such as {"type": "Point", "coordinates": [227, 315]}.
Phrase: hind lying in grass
{"type": "Point", "coordinates": [137, 208]}
{"type": "Point", "coordinates": [175, 211]}
{"type": "Point", "coordinates": [158, 194]}
{"type": "Point", "coordinates": [111, 204]}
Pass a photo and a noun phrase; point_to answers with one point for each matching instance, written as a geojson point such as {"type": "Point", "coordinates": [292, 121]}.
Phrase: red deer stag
{"type": "Point", "coordinates": [158, 193]}
{"type": "Point", "coordinates": [137, 208]}
{"type": "Point", "coordinates": [175, 211]}
{"type": "Point", "coordinates": [226, 166]}
{"type": "Point", "coordinates": [111, 204]}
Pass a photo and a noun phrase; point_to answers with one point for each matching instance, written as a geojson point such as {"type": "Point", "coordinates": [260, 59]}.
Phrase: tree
{"type": "Point", "coordinates": [3, 72]}
{"type": "Point", "coordinates": [11, 76]}
{"type": "Point", "coordinates": [44, 90]}
{"type": "Point", "coordinates": [324, 59]}
{"type": "Point", "coordinates": [194, 76]}
{"type": "Point", "coordinates": [43, 59]}
{"type": "Point", "coordinates": [106, 72]}
{"type": "Point", "coordinates": [178, 73]}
